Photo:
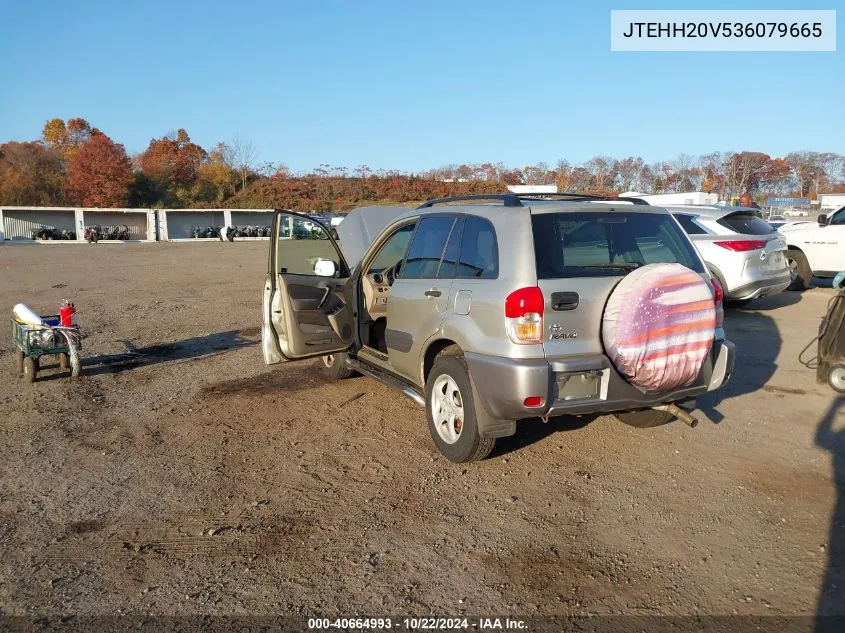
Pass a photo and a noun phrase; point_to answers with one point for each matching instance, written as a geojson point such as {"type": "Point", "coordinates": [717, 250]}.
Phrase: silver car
{"type": "Point", "coordinates": [469, 309]}
{"type": "Point", "coordinates": [744, 252]}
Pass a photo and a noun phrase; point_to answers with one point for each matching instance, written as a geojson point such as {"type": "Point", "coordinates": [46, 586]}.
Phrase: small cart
{"type": "Point", "coordinates": [35, 341]}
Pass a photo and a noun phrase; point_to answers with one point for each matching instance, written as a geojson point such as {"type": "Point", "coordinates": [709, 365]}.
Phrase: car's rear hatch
{"type": "Point", "coordinates": [582, 254]}
{"type": "Point", "coordinates": [765, 248]}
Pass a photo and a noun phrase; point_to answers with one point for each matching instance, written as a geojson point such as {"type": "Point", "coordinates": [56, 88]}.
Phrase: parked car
{"type": "Point", "coordinates": [488, 313]}
{"type": "Point", "coordinates": [815, 248]}
{"type": "Point", "coordinates": [741, 250]}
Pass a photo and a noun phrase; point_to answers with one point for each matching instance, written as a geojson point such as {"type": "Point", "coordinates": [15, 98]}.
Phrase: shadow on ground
{"type": "Point", "coordinates": [195, 347]}
{"type": "Point", "coordinates": [533, 430]}
{"type": "Point", "coordinates": [758, 343]}
{"type": "Point", "coordinates": [832, 593]}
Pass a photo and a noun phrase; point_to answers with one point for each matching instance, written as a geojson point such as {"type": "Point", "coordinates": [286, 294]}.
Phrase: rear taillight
{"type": "Point", "coordinates": [741, 246]}
{"type": "Point", "coordinates": [718, 301]}
{"type": "Point", "coordinates": [524, 315]}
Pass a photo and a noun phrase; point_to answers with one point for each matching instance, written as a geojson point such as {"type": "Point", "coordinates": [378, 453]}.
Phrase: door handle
{"type": "Point", "coordinates": [328, 291]}
{"type": "Point", "coordinates": [432, 292]}
{"type": "Point", "coordinates": [564, 301]}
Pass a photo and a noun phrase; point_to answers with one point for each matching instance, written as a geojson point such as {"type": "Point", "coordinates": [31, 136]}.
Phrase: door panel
{"type": "Point", "coordinates": [414, 314]}
{"type": "Point", "coordinates": [305, 314]}
{"type": "Point", "coordinates": [833, 250]}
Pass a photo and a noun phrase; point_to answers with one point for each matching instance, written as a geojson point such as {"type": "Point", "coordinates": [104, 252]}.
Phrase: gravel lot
{"type": "Point", "coordinates": [180, 475]}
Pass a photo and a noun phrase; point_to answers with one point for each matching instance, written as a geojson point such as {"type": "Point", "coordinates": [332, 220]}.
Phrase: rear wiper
{"type": "Point", "coordinates": [619, 266]}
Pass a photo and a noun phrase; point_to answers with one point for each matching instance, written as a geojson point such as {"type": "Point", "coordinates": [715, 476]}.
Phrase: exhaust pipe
{"type": "Point", "coordinates": [679, 413]}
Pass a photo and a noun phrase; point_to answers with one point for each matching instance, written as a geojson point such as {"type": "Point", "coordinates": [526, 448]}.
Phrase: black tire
{"type": "Point", "coordinates": [19, 358]}
{"type": "Point", "coordinates": [736, 303]}
{"type": "Point", "coordinates": [64, 361]}
{"type": "Point", "coordinates": [836, 378]}
{"type": "Point", "coordinates": [30, 369]}
{"type": "Point", "coordinates": [799, 268]}
{"type": "Point", "coordinates": [334, 367]}
{"type": "Point", "coordinates": [468, 446]}
{"type": "Point", "coordinates": [644, 418]}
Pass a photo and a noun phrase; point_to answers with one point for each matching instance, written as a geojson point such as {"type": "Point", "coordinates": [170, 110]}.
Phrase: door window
{"type": "Point", "coordinates": [479, 258]}
{"type": "Point", "coordinates": [449, 265]}
{"type": "Point", "coordinates": [302, 244]}
{"type": "Point", "coordinates": [838, 218]}
{"type": "Point", "coordinates": [427, 247]}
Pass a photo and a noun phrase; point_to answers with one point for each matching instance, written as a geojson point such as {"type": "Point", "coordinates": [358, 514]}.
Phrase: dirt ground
{"type": "Point", "coordinates": [180, 475]}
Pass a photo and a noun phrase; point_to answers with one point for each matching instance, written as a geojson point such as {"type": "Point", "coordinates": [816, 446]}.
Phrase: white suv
{"type": "Point", "coordinates": [815, 249]}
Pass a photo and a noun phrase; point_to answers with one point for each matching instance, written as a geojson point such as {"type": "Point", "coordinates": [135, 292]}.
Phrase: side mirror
{"type": "Point", "coordinates": [823, 220]}
{"type": "Point", "coordinates": [325, 268]}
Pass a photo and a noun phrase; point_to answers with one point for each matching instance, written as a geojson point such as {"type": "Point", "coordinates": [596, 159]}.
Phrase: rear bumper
{"type": "Point", "coordinates": [760, 288]}
{"type": "Point", "coordinates": [503, 384]}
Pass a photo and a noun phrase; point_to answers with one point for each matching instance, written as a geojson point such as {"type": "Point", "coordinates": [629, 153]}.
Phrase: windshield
{"type": "Point", "coordinates": [593, 244]}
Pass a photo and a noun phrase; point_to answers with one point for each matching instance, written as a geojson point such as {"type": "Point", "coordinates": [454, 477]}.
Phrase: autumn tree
{"type": "Point", "coordinates": [216, 179]}
{"type": "Point", "coordinates": [602, 173]}
{"type": "Point", "coordinates": [31, 174]}
{"type": "Point", "coordinates": [67, 138]}
{"type": "Point", "coordinates": [777, 176]}
{"type": "Point", "coordinates": [632, 174]}
{"type": "Point", "coordinates": [172, 165]}
{"type": "Point", "coordinates": [99, 173]}
{"type": "Point", "coordinates": [744, 171]}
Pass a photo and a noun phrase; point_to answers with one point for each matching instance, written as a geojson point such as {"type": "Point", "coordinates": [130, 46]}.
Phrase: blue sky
{"type": "Point", "coordinates": [406, 85]}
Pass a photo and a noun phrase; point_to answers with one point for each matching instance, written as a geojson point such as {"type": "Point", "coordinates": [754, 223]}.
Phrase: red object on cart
{"type": "Point", "coordinates": [67, 315]}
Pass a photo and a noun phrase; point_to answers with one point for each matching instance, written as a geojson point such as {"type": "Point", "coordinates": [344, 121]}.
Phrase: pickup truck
{"type": "Point", "coordinates": [815, 250]}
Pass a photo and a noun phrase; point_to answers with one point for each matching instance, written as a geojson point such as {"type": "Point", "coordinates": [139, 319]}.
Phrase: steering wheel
{"type": "Point", "coordinates": [391, 273]}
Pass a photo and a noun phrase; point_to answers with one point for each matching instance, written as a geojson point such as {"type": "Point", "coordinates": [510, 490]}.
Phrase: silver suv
{"type": "Point", "coordinates": [483, 309]}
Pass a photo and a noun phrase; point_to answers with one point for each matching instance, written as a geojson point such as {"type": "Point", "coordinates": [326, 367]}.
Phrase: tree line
{"type": "Point", "coordinates": [74, 163]}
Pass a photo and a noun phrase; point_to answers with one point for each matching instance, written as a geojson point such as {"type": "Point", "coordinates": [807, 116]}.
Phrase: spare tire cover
{"type": "Point", "coordinates": [658, 326]}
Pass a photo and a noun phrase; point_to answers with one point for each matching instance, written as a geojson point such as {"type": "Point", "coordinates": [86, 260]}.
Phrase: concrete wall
{"type": "Point", "coordinates": [178, 224]}
{"type": "Point", "coordinates": [18, 224]}
{"type": "Point", "coordinates": [141, 223]}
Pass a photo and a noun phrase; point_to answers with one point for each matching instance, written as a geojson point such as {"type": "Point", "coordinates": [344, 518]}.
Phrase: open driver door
{"type": "Point", "coordinates": [308, 309]}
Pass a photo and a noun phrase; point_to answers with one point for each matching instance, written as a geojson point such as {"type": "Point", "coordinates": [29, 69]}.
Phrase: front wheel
{"type": "Point", "coordinates": [19, 359]}
{"type": "Point", "coordinates": [334, 366]}
{"type": "Point", "coordinates": [30, 368]}
{"type": "Point", "coordinates": [836, 378]}
{"type": "Point", "coordinates": [450, 410]}
{"type": "Point", "coordinates": [644, 418]}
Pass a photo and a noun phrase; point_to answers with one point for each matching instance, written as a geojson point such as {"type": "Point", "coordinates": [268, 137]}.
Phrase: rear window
{"type": "Point", "coordinates": [593, 244]}
{"type": "Point", "coordinates": [745, 223]}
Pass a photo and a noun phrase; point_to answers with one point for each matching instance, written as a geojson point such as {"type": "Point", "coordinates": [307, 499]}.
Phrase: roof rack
{"type": "Point", "coordinates": [508, 199]}
{"type": "Point", "coordinates": [515, 199]}
{"type": "Point", "coordinates": [575, 197]}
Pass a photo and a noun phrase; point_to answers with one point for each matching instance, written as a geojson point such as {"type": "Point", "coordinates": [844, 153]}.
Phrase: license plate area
{"type": "Point", "coordinates": [577, 385]}
{"type": "Point", "coordinates": [774, 261]}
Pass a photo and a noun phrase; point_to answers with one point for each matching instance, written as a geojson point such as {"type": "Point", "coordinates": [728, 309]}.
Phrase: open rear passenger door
{"type": "Point", "coordinates": [308, 305]}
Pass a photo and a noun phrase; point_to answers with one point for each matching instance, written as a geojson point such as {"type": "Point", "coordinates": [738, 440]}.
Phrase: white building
{"type": "Point", "coordinates": [532, 188]}
{"type": "Point", "coordinates": [691, 197]}
{"type": "Point", "coordinates": [831, 201]}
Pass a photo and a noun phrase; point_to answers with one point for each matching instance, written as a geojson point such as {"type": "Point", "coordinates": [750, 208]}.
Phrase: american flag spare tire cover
{"type": "Point", "coordinates": [658, 326]}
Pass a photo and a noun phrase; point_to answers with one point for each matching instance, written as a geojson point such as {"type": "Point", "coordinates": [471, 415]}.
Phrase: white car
{"type": "Point", "coordinates": [743, 252]}
{"type": "Point", "coordinates": [815, 249]}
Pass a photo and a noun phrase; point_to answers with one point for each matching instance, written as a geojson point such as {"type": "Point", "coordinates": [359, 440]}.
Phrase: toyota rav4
{"type": "Point", "coordinates": [492, 310]}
